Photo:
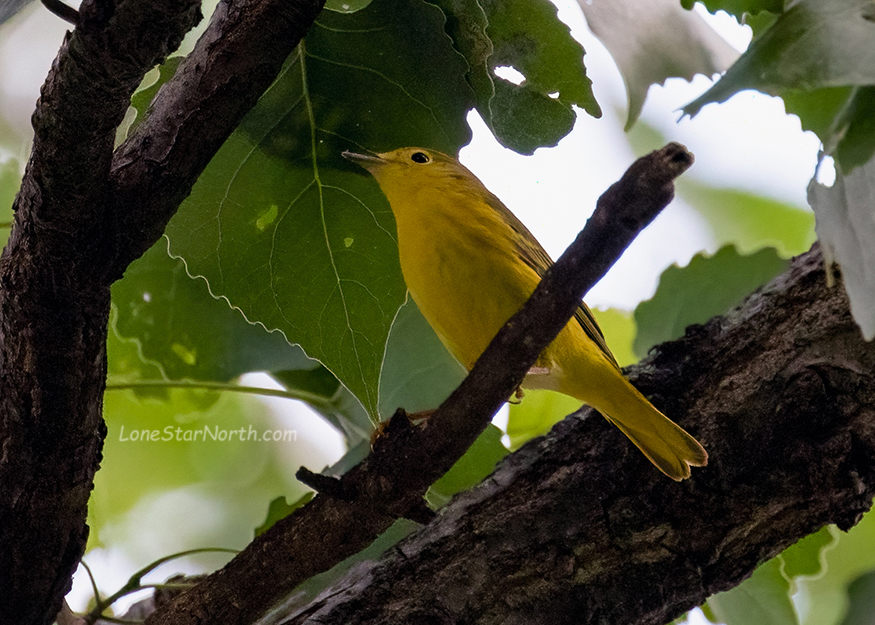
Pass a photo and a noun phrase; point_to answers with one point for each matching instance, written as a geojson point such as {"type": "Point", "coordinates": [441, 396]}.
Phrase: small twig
{"type": "Point", "coordinates": [323, 484]}
{"type": "Point", "coordinates": [65, 12]}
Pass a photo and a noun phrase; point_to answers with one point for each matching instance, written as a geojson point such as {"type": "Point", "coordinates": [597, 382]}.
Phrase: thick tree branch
{"type": "Point", "coordinates": [53, 312]}
{"type": "Point", "coordinates": [82, 215]}
{"type": "Point", "coordinates": [578, 528]}
{"type": "Point", "coordinates": [391, 482]}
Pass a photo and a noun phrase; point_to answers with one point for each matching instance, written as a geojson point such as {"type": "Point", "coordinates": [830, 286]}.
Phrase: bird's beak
{"type": "Point", "coordinates": [365, 160]}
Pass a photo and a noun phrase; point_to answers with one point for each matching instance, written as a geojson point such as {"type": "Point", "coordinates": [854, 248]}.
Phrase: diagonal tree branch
{"type": "Point", "coordinates": [83, 214]}
{"type": "Point", "coordinates": [577, 528]}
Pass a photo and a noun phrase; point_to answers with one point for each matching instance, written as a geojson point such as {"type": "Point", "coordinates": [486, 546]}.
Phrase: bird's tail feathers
{"type": "Point", "coordinates": [666, 444]}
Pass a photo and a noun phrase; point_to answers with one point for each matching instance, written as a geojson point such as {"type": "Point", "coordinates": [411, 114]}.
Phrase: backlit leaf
{"type": "Point", "coordinates": [708, 286]}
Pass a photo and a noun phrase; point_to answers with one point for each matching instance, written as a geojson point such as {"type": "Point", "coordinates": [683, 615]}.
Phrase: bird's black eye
{"type": "Point", "coordinates": [419, 157]}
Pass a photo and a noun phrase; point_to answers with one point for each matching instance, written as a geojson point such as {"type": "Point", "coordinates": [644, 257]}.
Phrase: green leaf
{"type": "Point", "coordinates": [806, 556]}
{"type": "Point", "coordinates": [708, 286]}
{"type": "Point", "coordinates": [813, 45]}
{"type": "Point", "coordinates": [661, 41]}
{"type": "Point", "coordinates": [418, 372]}
{"type": "Point", "coordinates": [142, 99]}
{"type": "Point", "coordinates": [842, 117]}
{"type": "Point", "coordinates": [536, 414]}
{"type": "Point", "coordinates": [528, 36]}
{"type": "Point", "coordinates": [763, 599]}
{"type": "Point", "coordinates": [186, 332]}
{"type": "Point", "coordinates": [471, 469]}
{"type": "Point", "coordinates": [618, 326]}
{"type": "Point", "coordinates": [466, 25]}
{"type": "Point", "coordinates": [294, 236]}
{"type": "Point", "coordinates": [279, 509]}
{"type": "Point", "coordinates": [818, 110]}
{"type": "Point", "coordinates": [850, 556]}
{"type": "Point", "coordinates": [750, 222]}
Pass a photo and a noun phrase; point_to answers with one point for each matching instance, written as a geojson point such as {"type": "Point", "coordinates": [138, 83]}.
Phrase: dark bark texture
{"type": "Point", "coordinates": [577, 527]}
{"type": "Point", "coordinates": [83, 213]}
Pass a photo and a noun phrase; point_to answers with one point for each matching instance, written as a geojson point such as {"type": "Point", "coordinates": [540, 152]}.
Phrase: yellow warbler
{"type": "Point", "coordinates": [469, 265]}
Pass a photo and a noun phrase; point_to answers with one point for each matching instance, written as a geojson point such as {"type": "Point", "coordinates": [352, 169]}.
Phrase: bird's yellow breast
{"type": "Point", "coordinates": [462, 268]}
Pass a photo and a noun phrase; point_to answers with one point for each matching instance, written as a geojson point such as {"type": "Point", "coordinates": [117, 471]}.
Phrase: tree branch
{"type": "Point", "coordinates": [53, 313]}
{"type": "Point", "coordinates": [577, 527]}
{"type": "Point", "coordinates": [391, 482]}
{"type": "Point", "coordinates": [82, 215]}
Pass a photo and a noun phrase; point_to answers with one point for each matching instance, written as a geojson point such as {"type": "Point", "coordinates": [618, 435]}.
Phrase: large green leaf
{"type": "Point", "coordinates": [814, 44]}
{"type": "Point", "coordinates": [708, 286]}
{"type": "Point", "coordinates": [346, 6]}
{"type": "Point", "coordinates": [528, 36]}
{"type": "Point", "coordinates": [183, 333]}
{"type": "Point", "coordinates": [285, 229]}
{"type": "Point", "coordinates": [188, 333]}
{"type": "Point", "coordinates": [818, 56]}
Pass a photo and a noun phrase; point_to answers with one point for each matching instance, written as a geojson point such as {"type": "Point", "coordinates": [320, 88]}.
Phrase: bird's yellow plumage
{"type": "Point", "coordinates": [470, 264]}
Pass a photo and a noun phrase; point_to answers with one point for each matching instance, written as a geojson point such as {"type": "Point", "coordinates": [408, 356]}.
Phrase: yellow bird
{"type": "Point", "coordinates": [470, 264]}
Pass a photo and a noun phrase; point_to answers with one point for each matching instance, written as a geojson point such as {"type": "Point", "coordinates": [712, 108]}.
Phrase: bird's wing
{"type": "Point", "coordinates": [537, 258]}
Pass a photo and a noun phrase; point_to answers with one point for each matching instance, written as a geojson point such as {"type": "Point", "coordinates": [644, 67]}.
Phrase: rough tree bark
{"type": "Point", "coordinates": [577, 527]}
{"type": "Point", "coordinates": [82, 215]}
